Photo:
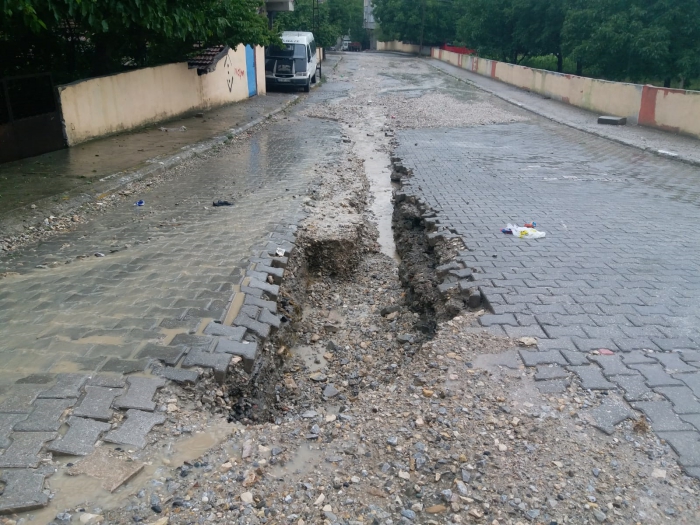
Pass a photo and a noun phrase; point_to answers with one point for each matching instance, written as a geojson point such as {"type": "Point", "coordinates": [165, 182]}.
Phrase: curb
{"type": "Point", "coordinates": [249, 319]}
{"type": "Point", "coordinates": [114, 181]}
{"type": "Point", "coordinates": [658, 153]}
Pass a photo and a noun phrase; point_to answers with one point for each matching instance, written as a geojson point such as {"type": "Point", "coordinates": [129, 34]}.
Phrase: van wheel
{"type": "Point", "coordinates": [307, 87]}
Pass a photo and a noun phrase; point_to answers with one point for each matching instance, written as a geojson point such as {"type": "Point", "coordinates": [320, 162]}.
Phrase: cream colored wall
{"type": "Point", "coordinates": [678, 111]}
{"type": "Point", "coordinates": [395, 45]}
{"type": "Point", "coordinates": [99, 106]}
{"type": "Point", "coordinates": [105, 105]}
{"type": "Point", "coordinates": [260, 69]}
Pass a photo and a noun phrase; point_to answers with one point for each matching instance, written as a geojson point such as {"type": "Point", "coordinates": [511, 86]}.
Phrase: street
{"type": "Point", "coordinates": [611, 294]}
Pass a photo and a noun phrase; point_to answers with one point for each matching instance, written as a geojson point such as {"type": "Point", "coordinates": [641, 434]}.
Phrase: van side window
{"type": "Point", "coordinates": [308, 53]}
{"type": "Point", "coordinates": [313, 47]}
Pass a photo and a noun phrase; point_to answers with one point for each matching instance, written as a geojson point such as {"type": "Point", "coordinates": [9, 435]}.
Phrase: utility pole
{"type": "Point", "coordinates": [422, 29]}
{"type": "Point", "coordinates": [316, 18]}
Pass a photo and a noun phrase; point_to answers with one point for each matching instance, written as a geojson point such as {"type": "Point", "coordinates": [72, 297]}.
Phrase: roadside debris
{"type": "Point", "coordinates": [218, 203]}
{"type": "Point", "coordinates": [526, 232]}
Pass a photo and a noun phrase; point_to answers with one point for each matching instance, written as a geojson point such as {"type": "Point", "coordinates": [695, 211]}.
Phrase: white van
{"type": "Point", "coordinates": [293, 64]}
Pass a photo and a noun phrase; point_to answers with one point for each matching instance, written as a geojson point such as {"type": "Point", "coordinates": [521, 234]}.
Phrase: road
{"type": "Point", "coordinates": [618, 269]}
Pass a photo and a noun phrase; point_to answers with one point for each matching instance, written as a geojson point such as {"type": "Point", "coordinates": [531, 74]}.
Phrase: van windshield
{"type": "Point", "coordinates": [286, 51]}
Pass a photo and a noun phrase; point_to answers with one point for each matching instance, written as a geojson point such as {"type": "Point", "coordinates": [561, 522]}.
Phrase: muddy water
{"type": "Point", "coordinates": [75, 491]}
{"type": "Point", "coordinates": [371, 145]}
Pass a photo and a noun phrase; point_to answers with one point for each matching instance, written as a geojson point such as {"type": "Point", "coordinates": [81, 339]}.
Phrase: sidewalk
{"type": "Point", "coordinates": [654, 141]}
{"type": "Point", "coordinates": [57, 179]}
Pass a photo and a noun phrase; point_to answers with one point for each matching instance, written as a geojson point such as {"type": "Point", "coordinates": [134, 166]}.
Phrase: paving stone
{"type": "Point", "coordinates": [46, 415]}
{"type": "Point", "coordinates": [178, 375]}
{"type": "Point", "coordinates": [269, 318]}
{"type": "Point", "coordinates": [693, 419]}
{"type": "Point", "coordinates": [262, 303]}
{"type": "Point", "coordinates": [108, 381]}
{"type": "Point", "coordinates": [637, 357]}
{"type": "Point", "coordinates": [81, 437]}
{"type": "Point", "coordinates": [693, 472]}
{"type": "Point", "coordinates": [509, 359]}
{"type": "Point", "coordinates": [67, 385]}
{"type": "Point", "coordinates": [169, 355]}
{"type": "Point", "coordinates": [491, 319]}
{"type": "Point", "coordinates": [687, 446]}
{"type": "Point", "coordinates": [255, 292]}
{"type": "Point", "coordinates": [24, 450]}
{"type": "Point", "coordinates": [684, 402]}
{"type": "Point", "coordinates": [656, 376]}
{"type": "Point", "coordinates": [545, 373]}
{"type": "Point", "coordinates": [587, 345]}
{"type": "Point", "coordinates": [524, 331]}
{"type": "Point", "coordinates": [662, 417]}
{"type": "Point", "coordinates": [628, 344]}
{"type": "Point", "coordinates": [673, 363]}
{"type": "Point", "coordinates": [555, 386]}
{"type": "Point", "coordinates": [203, 342]}
{"type": "Point", "coordinates": [245, 349]}
{"type": "Point", "coordinates": [7, 421]}
{"type": "Point", "coordinates": [669, 345]}
{"type": "Point", "coordinates": [271, 290]}
{"type": "Point", "coordinates": [218, 362]}
{"type": "Point", "coordinates": [612, 365]}
{"type": "Point", "coordinates": [690, 356]}
{"type": "Point", "coordinates": [140, 393]}
{"type": "Point", "coordinates": [235, 333]}
{"type": "Point", "coordinates": [124, 366]}
{"type": "Point", "coordinates": [97, 402]}
{"type": "Point", "coordinates": [276, 273]}
{"type": "Point", "coordinates": [262, 329]}
{"type": "Point", "coordinates": [37, 379]}
{"type": "Point", "coordinates": [23, 491]}
{"type": "Point", "coordinates": [19, 399]}
{"type": "Point", "coordinates": [534, 358]}
{"type": "Point", "coordinates": [135, 428]}
{"type": "Point", "coordinates": [634, 386]}
{"type": "Point", "coordinates": [575, 358]}
{"type": "Point", "coordinates": [693, 381]}
{"type": "Point", "coordinates": [611, 412]}
{"type": "Point", "coordinates": [591, 377]}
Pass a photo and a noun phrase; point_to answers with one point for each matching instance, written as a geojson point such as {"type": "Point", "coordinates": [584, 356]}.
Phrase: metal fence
{"type": "Point", "coordinates": [30, 119]}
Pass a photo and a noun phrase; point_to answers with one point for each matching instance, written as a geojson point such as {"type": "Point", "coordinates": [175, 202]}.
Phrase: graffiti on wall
{"type": "Point", "coordinates": [232, 72]}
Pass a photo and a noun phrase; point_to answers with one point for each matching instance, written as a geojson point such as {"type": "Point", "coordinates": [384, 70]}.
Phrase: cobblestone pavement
{"type": "Point", "coordinates": [617, 271]}
{"type": "Point", "coordinates": [137, 284]}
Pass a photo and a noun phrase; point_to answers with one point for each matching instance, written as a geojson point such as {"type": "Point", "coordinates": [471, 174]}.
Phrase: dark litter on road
{"type": "Point", "coordinates": [218, 203]}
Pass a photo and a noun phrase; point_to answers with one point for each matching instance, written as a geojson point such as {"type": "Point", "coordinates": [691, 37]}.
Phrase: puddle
{"type": "Point", "coordinates": [73, 492]}
{"type": "Point", "coordinates": [304, 462]}
{"type": "Point", "coordinates": [379, 177]}
{"type": "Point", "coordinates": [313, 359]}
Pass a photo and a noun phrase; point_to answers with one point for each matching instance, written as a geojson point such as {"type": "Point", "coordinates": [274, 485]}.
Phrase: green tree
{"type": "Point", "coordinates": [431, 21]}
{"type": "Point", "coordinates": [336, 17]}
{"type": "Point", "coordinates": [76, 38]}
{"type": "Point", "coordinates": [635, 40]}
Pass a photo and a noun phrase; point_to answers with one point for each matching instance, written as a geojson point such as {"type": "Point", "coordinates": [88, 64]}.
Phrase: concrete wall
{"type": "Point", "coordinates": [101, 106]}
{"type": "Point", "coordinates": [670, 109]}
{"type": "Point", "coordinates": [398, 46]}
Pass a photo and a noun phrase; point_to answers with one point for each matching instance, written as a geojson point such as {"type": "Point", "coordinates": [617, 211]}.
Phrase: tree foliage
{"type": "Point", "coordinates": [337, 18]}
{"type": "Point", "coordinates": [636, 40]}
{"type": "Point", "coordinates": [77, 38]}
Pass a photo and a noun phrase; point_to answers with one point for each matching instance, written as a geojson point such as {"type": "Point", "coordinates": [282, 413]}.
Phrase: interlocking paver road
{"type": "Point", "coordinates": [619, 268]}
{"type": "Point", "coordinates": [72, 323]}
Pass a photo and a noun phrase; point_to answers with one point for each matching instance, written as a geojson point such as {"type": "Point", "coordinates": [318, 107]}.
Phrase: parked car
{"type": "Point", "coordinates": [355, 46]}
{"type": "Point", "coordinates": [294, 63]}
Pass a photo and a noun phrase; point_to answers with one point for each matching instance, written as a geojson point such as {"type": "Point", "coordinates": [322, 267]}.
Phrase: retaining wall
{"type": "Point", "coordinates": [101, 106]}
{"type": "Point", "coordinates": [398, 46]}
{"type": "Point", "coordinates": [675, 110]}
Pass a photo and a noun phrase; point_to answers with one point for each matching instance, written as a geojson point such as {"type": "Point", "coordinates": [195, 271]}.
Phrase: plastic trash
{"type": "Point", "coordinates": [523, 233]}
{"type": "Point", "coordinates": [139, 203]}
{"type": "Point", "coordinates": [221, 203]}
